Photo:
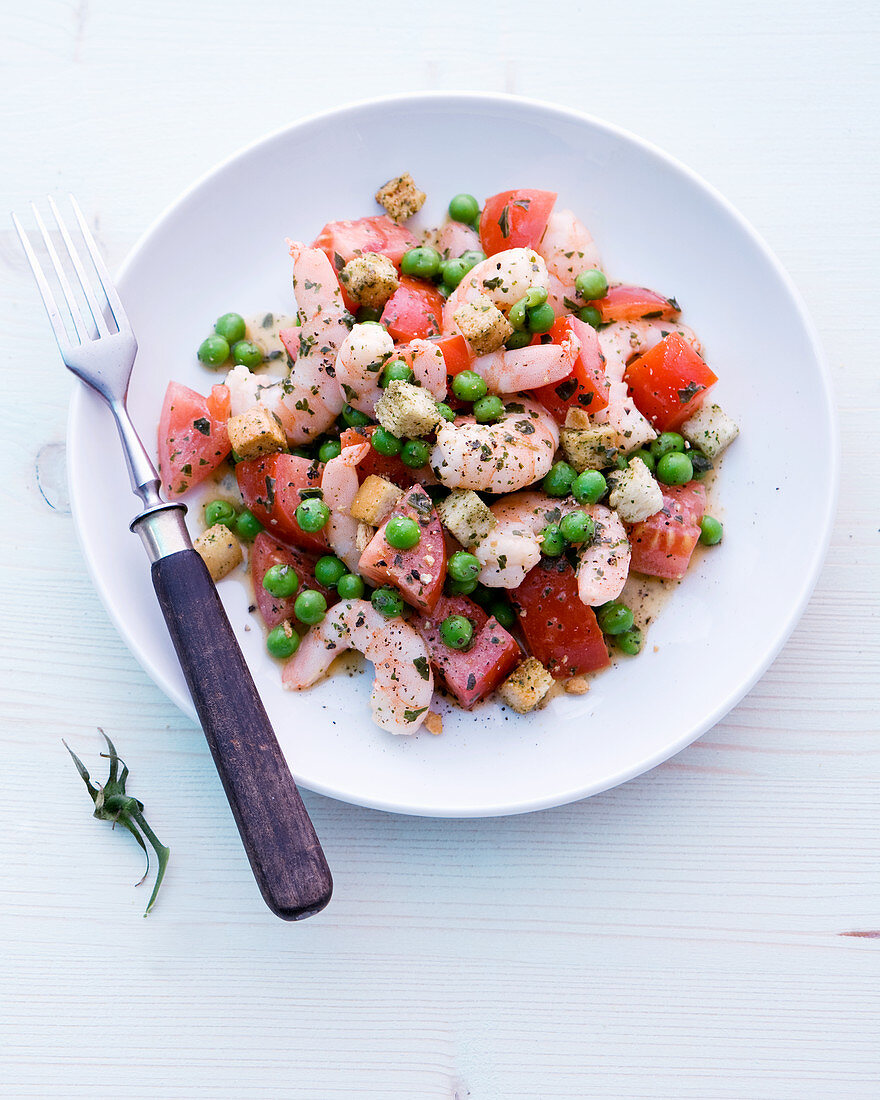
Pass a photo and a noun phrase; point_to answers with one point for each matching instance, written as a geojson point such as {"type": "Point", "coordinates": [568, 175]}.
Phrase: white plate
{"type": "Point", "coordinates": [221, 247]}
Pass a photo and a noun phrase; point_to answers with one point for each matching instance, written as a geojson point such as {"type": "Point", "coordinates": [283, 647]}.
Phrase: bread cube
{"type": "Point", "coordinates": [220, 550]}
{"type": "Point", "coordinates": [483, 325]}
{"type": "Point", "coordinates": [466, 517]}
{"type": "Point", "coordinates": [255, 433]}
{"type": "Point", "coordinates": [374, 500]}
{"type": "Point", "coordinates": [635, 494]}
{"type": "Point", "coordinates": [370, 279]}
{"type": "Point", "coordinates": [401, 198]}
{"type": "Point", "coordinates": [710, 429]}
{"type": "Point", "coordinates": [363, 536]}
{"type": "Point", "coordinates": [577, 417]}
{"type": "Point", "coordinates": [434, 723]}
{"type": "Point", "coordinates": [407, 410]}
{"type": "Point", "coordinates": [589, 448]}
{"type": "Point", "coordinates": [526, 686]}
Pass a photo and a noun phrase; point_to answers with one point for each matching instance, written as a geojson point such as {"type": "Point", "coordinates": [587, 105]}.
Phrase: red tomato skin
{"type": "Point", "coordinates": [414, 311]}
{"type": "Point", "coordinates": [634, 303]}
{"type": "Point", "coordinates": [388, 466]}
{"type": "Point", "coordinates": [662, 544]}
{"type": "Point", "coordinates": [265, 553]}
{"type": "Point", "coordinates": [586, 387]}
{"type": "Point", "coordinates": [559, 630]}
{"type": "Point", "coordinates": [289, 337]}
{"type": "Point", "coordinates": [456, 353]}
{"type": "Point", "coordinates": [405, 570]}
{"type": "Point", "coordinates": [515, 219]}
{"type": "Point", "coordinates": [343, 240]}
{"type": "Point", "coordinates": [661, 380]}
{"type": "Point", "coordinates": [270, 487]}
{"type": "Point", "coordinates": [188, 454]}
{"type": "Point", "coordinates": [474, 673]}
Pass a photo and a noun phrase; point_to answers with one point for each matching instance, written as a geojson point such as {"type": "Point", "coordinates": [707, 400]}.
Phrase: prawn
{"type": "Point", "coordinates": [339, 483]}
{"type": "Point", "coordinates": [568, 248]}
{"type": "Point", "coordinates": [456, 238]}
{"type": "Point", "coordinates": [511, 453]}
{"type": "Point", "coordinates": [404, 682]}
{"type": "Point", "coordinates": [503, 278]}
{"type": "Point", "coordinates": [368, 349]}
{"type": "Point", "coordinates": [528, 368]}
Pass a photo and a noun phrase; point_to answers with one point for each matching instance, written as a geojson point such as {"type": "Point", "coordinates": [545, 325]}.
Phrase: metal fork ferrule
{"type": "Point", "coordinates": [162, 530]}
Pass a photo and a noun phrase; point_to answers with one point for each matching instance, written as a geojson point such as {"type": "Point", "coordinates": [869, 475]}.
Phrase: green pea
{"type": "Point", "coordinates": [629, 642]}
{"type": "Point", "coordinates": [457, 631]}
{"type": "Point", "coordinates": [453, 271]}
{"type": "Point", "coordinates": [329, 570]}
{"type": "Point", "coordinates": [535, 296]}
{"type": "Point", "coordinates": [415, 454]}
{"type": "Point", "coordinates": [396, 371]}
{"type": "Point", "coordinates": [711, 531]}
{"type": "Point", "coordinates": [281, 581]}
{"type": "Point", "coordinates": [590, 316]}
{"type": "Point", "coordinates": [552, 542]}
{"type": "Point", "coordinates": [366, 315]}
{"type": "Point", "coordinates": [472, 257]}
{"type": "Point", "coordinates": [312, 514]}
{"type": "Point", "coordinates": [464, 208]}
{"type": "Point", "coordinates": [591, 284]}
{"type": "Point", "coordinates": [463, 566]}
{"type": "Point", "coordinates": [468, 386]}
{"type": "Point", "coordinates": [282, 641]}
{"type": "Point", "coordinates": [445, 411]}
{"type": "Point", "coordinates": [219, 511]}
{"type": "Point", "coordinates": [231, 327]}
{"type": "Point", "coordinates": [387, 602]}
{"type": "Point", "coordinates": [331, 448]}
{"type": "Point", "coordinates": [503, 612]}
{"type": "Point", "coordinates": [483, 595]}
{"type": "Point", "coordinates": [460, 588]}
{"type": "Point", "coordinates": [247, 526]}
{"type": "Point", "coordinates": [614, 618]}
{"type": "Point", "coordinates": [350, 587]}
{"type": "Point", "coordinates": [518, 315]}
{"type": "Point", "coordinates": [423, 261]}
{"type": "Point", "coordinates": [589, 487]}
{"type": "Point", "coordinates": [667, 443]}
{"type": "Point", "coordinates": [576, 527]}
{"type": "Point", "coordinates": [214, 351]}
{"type": "Point", "coordinates": [354, 418]}
{"type": "Point", "coordinates": [645, 456]}
{"type": "Point", "coordinates": [541, 318]}
{"type": "Point", "coordinates": [386, 443]}
{"type": "Point", "coordinates": [402, 533]}
{"type": "Point", "coordinates": [310, 607]}
{"type": "Point", "coordinates": [559, 479]}
{"type": "Point", "coordinates": [488, 409]}
{"type": "Point", "coordinates": [247, 354]}
{"type": "Point", "coordinates": [675, 469]}
{"type": "Point", "coordinates": [518, 340]}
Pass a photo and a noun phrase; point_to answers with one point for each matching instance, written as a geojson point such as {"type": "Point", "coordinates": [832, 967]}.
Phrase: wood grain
{"type": "Point", "coordinates": [706, 931]}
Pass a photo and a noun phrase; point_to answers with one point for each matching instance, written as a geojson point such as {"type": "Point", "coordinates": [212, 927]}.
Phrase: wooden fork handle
{"type": "Point", "coordinates": [278, 834]}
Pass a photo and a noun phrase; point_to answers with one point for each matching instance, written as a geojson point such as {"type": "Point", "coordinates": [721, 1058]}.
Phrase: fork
{"type": "Point", "coordinates": [279, 838]}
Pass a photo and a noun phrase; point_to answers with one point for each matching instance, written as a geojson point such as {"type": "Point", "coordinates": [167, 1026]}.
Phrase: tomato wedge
{"type": "Point", "coordinates": [559, 630]}
{"type": "Point", "coordinates": [388, 466]}
{"type": "Point", "coordinates": [515, 219]}
{"type": "Point", "coordinates": [414, 311]}
{"type": "Point", "coordinates": [418, 574]}
{"type": "Point", "coordinates": [586, 387]}
{"type": "Point", "coordinates": [662, 544]}
{"type": "Point", "coordinates": [634, 303]}
{"type": "Point", "coordinates": [265, 553]}
{"type": "Point", "coordinates": [669, 382]}
{"type": "Point", "coordinates": [193, 440]}
{"type": "Point", "coordinates": [474, 673]}
{"type": "Point", "coordinates": [456, 352]}
{"type": "Point", "coordinates": [272, 488]}
{"type": "Point", "coordinates": [344, 240]}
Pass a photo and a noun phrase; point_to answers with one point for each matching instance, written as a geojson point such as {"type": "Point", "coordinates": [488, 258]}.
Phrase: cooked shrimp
{"type": "Point", "coordinates": [404, 682]}
{"type": "Point", "coordinates": [339, 483]}
{"type": "Point", "coordinates": [604, 565]}
{"type": "Point", "coordinates": [456, 238]}
{"type": "Point", "coordinates": [501, 457]}
{"type": "Point", "coordinates": [503, 278]}
{"type": "Point", "coordinates": [359, 364]}
{"type": "Point", "coordinates": [568, 248]}
{"type": "Point", "coordinates": [428, 366]}
{"type": "Point", "coordinates": [526, 368]}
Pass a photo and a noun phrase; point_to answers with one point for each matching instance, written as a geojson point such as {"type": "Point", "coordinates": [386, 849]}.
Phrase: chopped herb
{"type": "Point", "coordinates": [412, 715]}
{"type": "Point", "coordinates": [267, 321]}
{"type": "Point", "coordinates": [421, 664]}
{"type": "Point", "coordinates": [493, 284]}
{"type": "Point", "coordinates": [504, 222]}
{"type": "Point", "coordinates": [202, 425]}
{"type": "Point", "coordinates": [689, 392]}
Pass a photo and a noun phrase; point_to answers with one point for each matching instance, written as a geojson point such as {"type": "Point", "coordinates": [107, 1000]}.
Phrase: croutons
{"type": "Point", "coordinates": [526, 686]}
{"type": "Point", "coordinates": [589, 448]}
{"type": "Point", "coordinates": [255, 433]}
{"type": "Point", "coordinates": [407, 410]}
{"type": "Point", "coordinates": [710, 429]}
{"type": "Point", "coordinates": [466, 517]}
{"type": "Point", "coordinates": [363, 536]}
{"type": "Point", "coordinates": [635, 494]}
{"type": "Point", "coordinates": [374, 500]}
{"type": "Point", "coordinates": [220, 550]}
{"type": "Point", "coordinates": [401, 198]}
{"type": "Point", "coordinates": [434, 723]}
{"type": "Point", "coordinates": [370, 279]}
{"type": "Point", "coordinates": [577, 685]}
{"type": "Point", "coordinates": [483, 325]}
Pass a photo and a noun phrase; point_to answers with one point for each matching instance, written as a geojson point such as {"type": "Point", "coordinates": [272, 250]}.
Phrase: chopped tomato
{"type": "Point", "coordinates": [456, 352]}
{"type": "Point", "coordinates": [272, 488]}
{"type": "Point", "coordinates": [388, 466]}
{"type": "Point", "coordinates": [193, 440]}
{"type": "Point", "coordinates": [414, 311]}
{"type": "Point", "coordinates": [668, 383]}
{"type": "Point", "coordinates": [662, 544]}
{"type": "Point", "coordinates": [265, 553]}
{"type": "Point", "coordinates": [418, 574]}
{"type": "Point", "coordinates": [344, 240]}
{"type": "Point", "coordinates": [515, 219]}
{"type": "Point", "coordinates": [585, 388]}
{"type": "Point", "coordinates": [474, 673]}
{"type": "Point", "coordinates": [559, 630]}
{"type": "Point", "coordinates": [632, 303]}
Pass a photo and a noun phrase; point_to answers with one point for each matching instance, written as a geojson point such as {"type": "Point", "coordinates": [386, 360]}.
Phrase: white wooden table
{"type": "Point", "coordinates": [709, 930]}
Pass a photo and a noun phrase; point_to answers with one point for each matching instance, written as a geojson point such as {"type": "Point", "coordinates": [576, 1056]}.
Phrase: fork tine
{"type": "Point", "coordinates": [104, 275]}
{"type": "Point", "coordinates": [72, 305]}
{"type": "Point", "coordinates": [49, 302]}
{"type": "Point", "coordinates": [85, 283]}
